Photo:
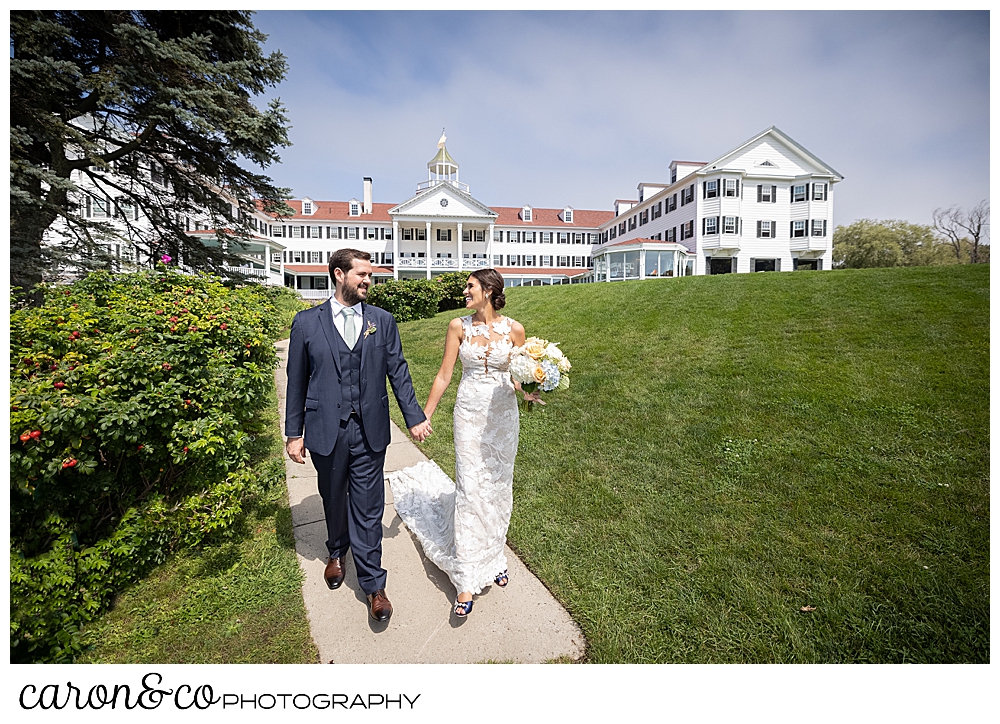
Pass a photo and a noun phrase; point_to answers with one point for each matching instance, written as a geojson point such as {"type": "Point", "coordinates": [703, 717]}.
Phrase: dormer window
{"type": "Point", "coordinates": [307, 207]}
{"type": "Point", "coordinates": [355, 208]}
{"type": "Point", "coordinates": [567, 215]}
{"type": "Point", "coordinates": [526, 213]}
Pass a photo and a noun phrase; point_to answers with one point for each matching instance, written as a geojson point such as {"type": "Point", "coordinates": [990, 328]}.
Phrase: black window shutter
{"type": "Point", "coordinates": [824, 227]}
{"type": "Point", "coordinates": [774, 194]}
{"type": "Point", "coordinates": [704, 189]}
{"type": "Point", "coordinates": [758, 229]}
{"type": "Point", "coordinates": [791, 229]}
{"type": "Point", "coordinates": [760, 192]}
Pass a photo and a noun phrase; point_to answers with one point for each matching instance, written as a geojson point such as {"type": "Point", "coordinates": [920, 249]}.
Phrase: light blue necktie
{"type": "Point", "coordinates": [350, 333]}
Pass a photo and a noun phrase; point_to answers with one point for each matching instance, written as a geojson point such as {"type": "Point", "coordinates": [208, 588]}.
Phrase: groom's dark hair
{"type": "Point", "coordinates": [343, 259]}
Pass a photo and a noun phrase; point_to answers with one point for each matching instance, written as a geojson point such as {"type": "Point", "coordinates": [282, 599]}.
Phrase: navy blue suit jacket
{"type": "Point", "coordinates": [313, 398]}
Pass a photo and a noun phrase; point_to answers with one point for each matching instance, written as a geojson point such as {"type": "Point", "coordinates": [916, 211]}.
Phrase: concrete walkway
{"type": "Point", "coordinates": [521, 623]}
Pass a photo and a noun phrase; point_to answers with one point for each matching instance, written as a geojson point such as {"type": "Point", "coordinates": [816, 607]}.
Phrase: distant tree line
{"type": "Point", "coordinates": [956, 236]}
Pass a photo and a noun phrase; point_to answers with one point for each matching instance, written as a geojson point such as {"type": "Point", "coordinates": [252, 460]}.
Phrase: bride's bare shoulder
{"type": "Point", "coordinates": [516, 327]}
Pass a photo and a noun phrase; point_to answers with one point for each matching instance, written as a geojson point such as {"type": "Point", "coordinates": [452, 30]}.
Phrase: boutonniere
{"type": "Point", "coordinates": [371, 329]}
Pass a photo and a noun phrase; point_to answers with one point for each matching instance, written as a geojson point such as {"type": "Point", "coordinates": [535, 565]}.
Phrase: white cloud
{"type": "Point", "coordinates": [577, 108]}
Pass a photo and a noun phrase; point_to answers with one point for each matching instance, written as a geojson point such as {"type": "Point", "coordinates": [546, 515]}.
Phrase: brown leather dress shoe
{"type": "Point", "coordinates": [334, 573]}
{"type": "Point", "coordinates": [379, 606]}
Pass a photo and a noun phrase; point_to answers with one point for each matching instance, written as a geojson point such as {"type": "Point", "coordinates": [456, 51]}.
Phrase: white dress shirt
{"type": "Point", "coordinates": [338, 319]}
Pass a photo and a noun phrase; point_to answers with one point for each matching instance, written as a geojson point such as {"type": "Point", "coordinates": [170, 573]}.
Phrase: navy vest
{"type": "Point", "coordinates": [350, 376]}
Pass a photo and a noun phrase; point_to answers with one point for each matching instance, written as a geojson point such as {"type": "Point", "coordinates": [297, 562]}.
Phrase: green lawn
{"type": "Point", "coordinates": [736, 448]}
{"type": "Point", "coordinates": [236, 601]}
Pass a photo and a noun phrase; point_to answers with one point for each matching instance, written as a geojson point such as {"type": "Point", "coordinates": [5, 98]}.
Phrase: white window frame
{"type": "Point", "coordinates": [800, 196]}
{"type": "Point", "coordinates": [730, 189]}
{"type": "Point", "coordinates": [712, 189]}
{"type": "Point", "coordinates": [307, 208]}
{"type": "Point", "coordinates": [800, 229]}
{"type": "Point", "coordinates": [355, 209]}
{"type": "Point", "coordinates": [819, 192]}
{"type": "Point", "coordinates": [526, 213]}
{"type": "Point", "coordinates": [711, 225]}
{"type": "Point", "coordinates": [730, 224]}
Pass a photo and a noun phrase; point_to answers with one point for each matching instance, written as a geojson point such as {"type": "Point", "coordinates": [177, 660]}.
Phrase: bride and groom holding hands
{"type": "Point", "coordinates": [340, 354]}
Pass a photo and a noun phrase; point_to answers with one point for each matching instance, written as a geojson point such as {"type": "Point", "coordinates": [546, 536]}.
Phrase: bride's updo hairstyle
{"type": "Point", "coordinates": [491, 281]}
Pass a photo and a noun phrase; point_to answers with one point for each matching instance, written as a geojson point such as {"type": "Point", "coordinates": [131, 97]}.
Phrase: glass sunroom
{"type": "Point", "coordinates": [641, 259]}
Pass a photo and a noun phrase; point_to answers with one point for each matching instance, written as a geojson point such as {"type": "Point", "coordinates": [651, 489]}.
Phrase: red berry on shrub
{"type": "Point", "coordinates": [167, 366]}
{"type": "Point", "coordinates": [25, 437]}
{"type": "Point", "coordinates": [173, 319]}
{"type": "Point", "coordinates": [58, 385]}
{"type": "Point", "coordinates": [66, 293]}
{"type": "Point", "coordinates": [69, 463]}
{"type": "Point", "coordinates": [173, 329]}
{"type": "Point", "coordinates": [53, 367]}
{"type": "Point", "coordinates": [192, 328]}
{"type": "Point", "coordinates": [248, 346]}
{"type": "Point", "coordinates": [140, 447]}
{"type": "Point", "coordinates": [185, 448]}
{"type": "Point", "coordinates": [75, 306]}
{"type": "Point", "coordinates": [35, 434]}
{"type": "Point", "coordinates": [223, 326]}
{"type": "Point", "coordinates": [158, 311]}
{"type": "Point", "coordinates": [184, 311]}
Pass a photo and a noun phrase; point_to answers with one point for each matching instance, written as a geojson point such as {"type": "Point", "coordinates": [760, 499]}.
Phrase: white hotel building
{"type": "Point", "coordinates": [767, 205]}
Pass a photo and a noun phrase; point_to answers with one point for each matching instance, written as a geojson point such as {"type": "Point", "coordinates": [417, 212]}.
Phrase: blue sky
{"type": "Point", "coordinates": [576, 108]}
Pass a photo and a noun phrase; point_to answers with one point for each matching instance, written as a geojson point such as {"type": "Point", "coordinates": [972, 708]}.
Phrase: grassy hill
{"type": "Point", "coordinates": [736, 448]}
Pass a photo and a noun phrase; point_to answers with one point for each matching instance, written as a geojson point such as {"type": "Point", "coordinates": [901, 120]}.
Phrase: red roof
{"type": "Point", "coordinates": [325, 269]}
{"type": "Point", "coordinates": [582, 218]}
{"type": "Point", "coordinates": [507, 215]}
{"type": "Point", "coordinates": [338, 211]}
{"type": "Point", "coordinates": [637, 240]}
{"type": "Point", "coordinates": [521, 271]}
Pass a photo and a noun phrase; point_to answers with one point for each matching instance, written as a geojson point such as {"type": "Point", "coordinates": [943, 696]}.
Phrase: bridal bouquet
{"type": "Point", "coordinates": [539, 364]}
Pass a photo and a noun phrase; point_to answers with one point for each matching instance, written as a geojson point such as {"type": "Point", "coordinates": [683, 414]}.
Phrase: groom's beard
{"type": "Point", "coordinates": [353, 295]}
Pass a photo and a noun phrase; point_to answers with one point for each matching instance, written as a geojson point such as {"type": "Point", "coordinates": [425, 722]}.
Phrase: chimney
{"type": "Point", "coordinates": [368, 196]}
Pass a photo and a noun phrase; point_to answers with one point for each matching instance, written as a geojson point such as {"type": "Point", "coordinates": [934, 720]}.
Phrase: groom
{"type": "Point", "coordinates": [339, 355]}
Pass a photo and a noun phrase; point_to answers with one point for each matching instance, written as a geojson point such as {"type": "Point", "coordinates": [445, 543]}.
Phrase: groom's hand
{"type": "Point", "coordinates": [421, 431]}
{"type": "Point", "coordinates": [296, 449]}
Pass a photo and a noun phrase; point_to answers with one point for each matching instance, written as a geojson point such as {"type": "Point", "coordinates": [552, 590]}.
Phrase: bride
{"type": "Point", "coordinates": [463, 526]}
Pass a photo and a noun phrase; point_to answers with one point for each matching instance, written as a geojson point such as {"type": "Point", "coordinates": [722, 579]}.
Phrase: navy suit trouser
{"type": "Point", "coordinates": [352, 486]}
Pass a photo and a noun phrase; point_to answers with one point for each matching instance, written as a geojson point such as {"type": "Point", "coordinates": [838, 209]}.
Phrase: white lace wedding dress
{"type": "Point", "coordinates": [462, 525]}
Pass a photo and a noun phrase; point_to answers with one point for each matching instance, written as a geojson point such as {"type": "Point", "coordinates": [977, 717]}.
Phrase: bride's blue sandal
{"type": "Point", "coordinates": [463, 608]}
{"type": "Point", "coordinates": [501, 579]}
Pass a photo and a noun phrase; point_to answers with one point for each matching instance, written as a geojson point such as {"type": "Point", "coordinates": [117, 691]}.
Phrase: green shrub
{"type": "Point", "coordinates": [452, 290]}
{"type": "Point", "coordinates": [288, 303]}
{"type": "Point", "coordinates": [407, 299]}
{"type": "Point", "coordinates": [134, 399]}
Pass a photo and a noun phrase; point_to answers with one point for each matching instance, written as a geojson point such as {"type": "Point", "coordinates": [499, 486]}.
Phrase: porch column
{"type": "Point", "coordinates": [267, 264]}
{"type": "Point", "coordinates": [428, 253]}
{"type": "Point", "coordinates": [460, 246]}
{"type": "Point", "coordinates": [642, 263]}
{"type": "Point", "coordinates": [395, 249]}
{"type": "Point", "coordinates": [489, 246]}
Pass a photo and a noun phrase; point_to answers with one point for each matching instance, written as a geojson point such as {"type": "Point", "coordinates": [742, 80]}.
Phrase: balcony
{"type": "Point", "coordinates": [425, 185]}
{"type": "Point", "coordinates": [444, 263]}
{"type": "Point", "coordinates": [263, 275]}
{"type": "Point", "coordinates": [411, 263]}
{"type": "Point", "coordinates": [810, 243]}
{"type": "Point", "coordinates": [315, 293]}
{"type": "Point", "coordinates": [720, 241]}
